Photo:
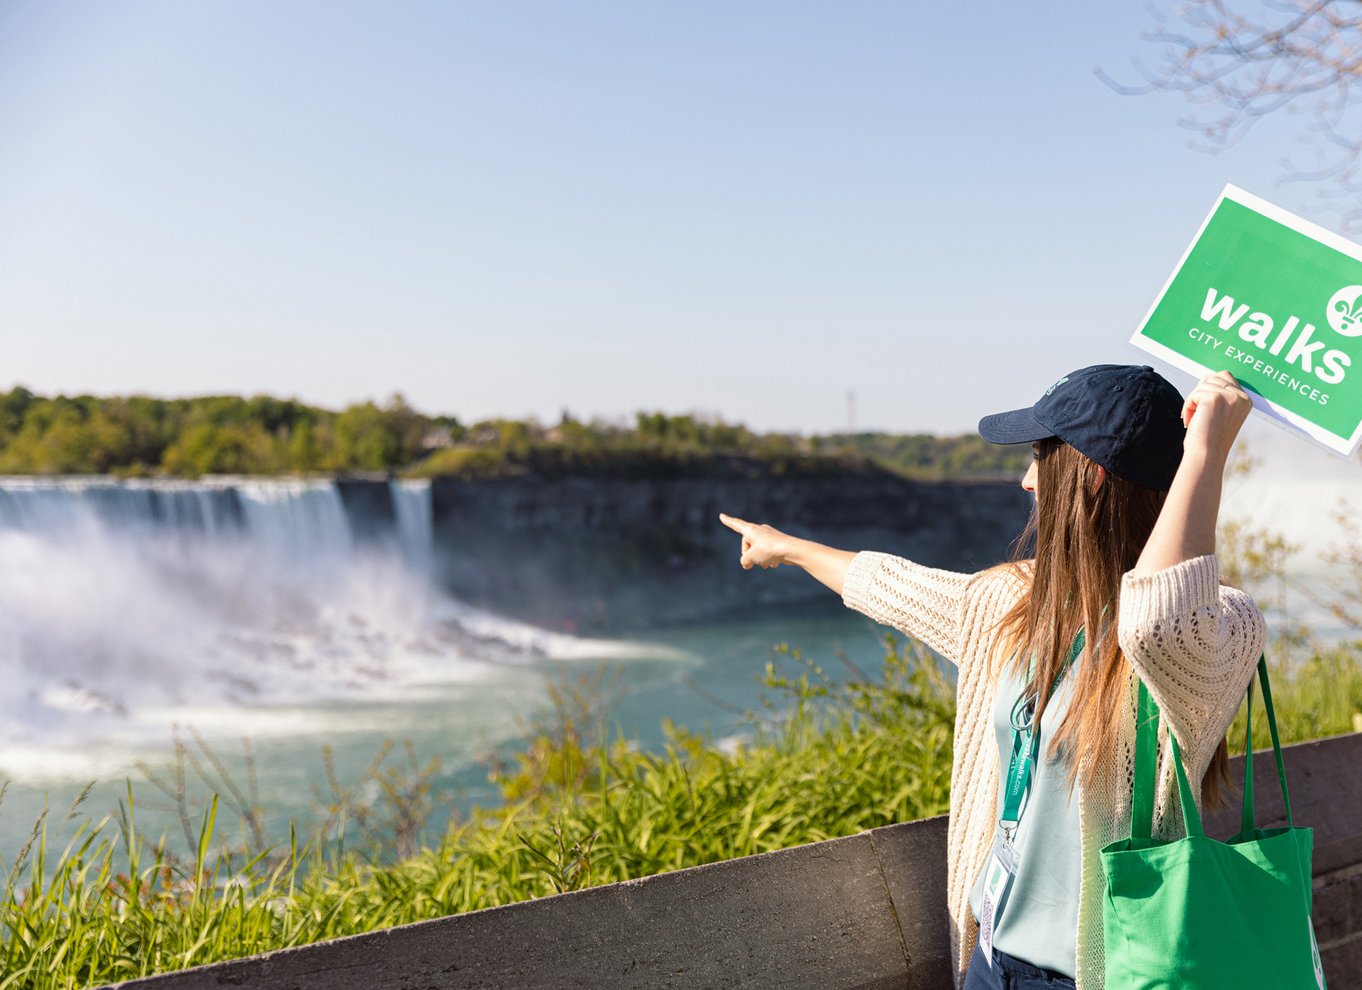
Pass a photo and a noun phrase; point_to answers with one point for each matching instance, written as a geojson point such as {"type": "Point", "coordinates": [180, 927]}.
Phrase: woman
{"type": "Point", "coordinates": [1124, 582]}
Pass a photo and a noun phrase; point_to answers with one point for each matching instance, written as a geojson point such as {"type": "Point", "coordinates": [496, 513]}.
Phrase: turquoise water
{"type": "Point", "coordinates": [702, 676]}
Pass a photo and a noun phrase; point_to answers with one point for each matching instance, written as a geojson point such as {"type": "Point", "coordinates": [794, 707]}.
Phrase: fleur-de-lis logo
{"type": "Point", "coordinates": [1349, 314]}
{"type": "Point", "coordinates": [1345, 311]}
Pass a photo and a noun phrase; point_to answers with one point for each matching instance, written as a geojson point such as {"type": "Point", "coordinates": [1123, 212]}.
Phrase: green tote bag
{"type": "Point", "coordinates": [1198, 914]}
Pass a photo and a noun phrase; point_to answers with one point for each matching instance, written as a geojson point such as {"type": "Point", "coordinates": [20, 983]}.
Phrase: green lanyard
{"type": "Point", "coordinates": [1025, 748]}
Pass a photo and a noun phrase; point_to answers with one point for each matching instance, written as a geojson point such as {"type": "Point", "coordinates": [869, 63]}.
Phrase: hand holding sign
{"type": "Point", "coordinates": [1185, 527]}
{"type": "Point", "coordinates": [1213, 413]}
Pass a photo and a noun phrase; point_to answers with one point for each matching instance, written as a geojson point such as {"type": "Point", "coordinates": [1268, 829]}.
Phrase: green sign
{"type": "Point", "coordinates": [1276, 301]}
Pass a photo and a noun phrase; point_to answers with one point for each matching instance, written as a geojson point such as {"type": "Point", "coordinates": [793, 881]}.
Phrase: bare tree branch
{"type": "Point", "coordinates": [1239, 62]}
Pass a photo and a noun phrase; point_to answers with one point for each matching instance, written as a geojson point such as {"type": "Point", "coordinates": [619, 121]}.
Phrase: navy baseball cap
{"type": "Point", "coordinates": [1126, 417]}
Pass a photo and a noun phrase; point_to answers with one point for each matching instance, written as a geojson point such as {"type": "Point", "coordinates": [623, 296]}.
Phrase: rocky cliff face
{"type": "Point", "coordinates": [598, 555]}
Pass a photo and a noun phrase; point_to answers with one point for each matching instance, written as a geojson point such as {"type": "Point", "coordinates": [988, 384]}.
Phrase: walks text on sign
{"type": "Point", "coordinates": [1277, 301]}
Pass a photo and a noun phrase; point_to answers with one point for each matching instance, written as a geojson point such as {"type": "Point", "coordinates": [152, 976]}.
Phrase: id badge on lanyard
{"type": "Point", "coordinates": [1004, 860]}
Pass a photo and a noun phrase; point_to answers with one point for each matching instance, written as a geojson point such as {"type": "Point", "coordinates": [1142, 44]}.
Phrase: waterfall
{"type": "Point", "coordinates": [119, 599]}
{"type": "Point", "coordinates": [128, 606]}
{"type": "Point", "coordinates": [296, 520]}
{"type": "Point", "coordinates": [46, 505]}
{"type": "Point", "coordinates": [415, 520]}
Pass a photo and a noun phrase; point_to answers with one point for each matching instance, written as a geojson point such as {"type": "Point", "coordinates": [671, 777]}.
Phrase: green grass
{"type": "Point", "coordinates": [830, 758]}
{"type": "Point", "coordinates": [1319, 697]}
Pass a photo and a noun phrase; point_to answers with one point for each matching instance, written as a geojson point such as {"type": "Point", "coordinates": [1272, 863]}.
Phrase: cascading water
{"type": "Point", "coordinates": [128, 605]}
{"type": "Point", "coordinates": [412, 514]}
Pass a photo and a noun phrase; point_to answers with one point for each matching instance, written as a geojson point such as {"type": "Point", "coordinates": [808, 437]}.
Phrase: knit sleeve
{"type": "Point", "coordinates": [923, 602]}
{"type": "Point", "coordinates": [1194, 642]}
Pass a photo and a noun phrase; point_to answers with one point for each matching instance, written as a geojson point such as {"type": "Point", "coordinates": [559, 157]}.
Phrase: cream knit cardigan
{"type": "Point", "coordinates": [1194, 642]}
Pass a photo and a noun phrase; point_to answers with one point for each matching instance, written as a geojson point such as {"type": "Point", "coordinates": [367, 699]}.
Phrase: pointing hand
{"type": "Point", "coordinates": [762, 546]}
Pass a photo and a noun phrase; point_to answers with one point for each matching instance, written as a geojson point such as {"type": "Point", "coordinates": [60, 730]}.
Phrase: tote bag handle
{"type": "Point", "coordinates": [1146, 751]}
{"type": "Point", "coordinates": [1246, 818]}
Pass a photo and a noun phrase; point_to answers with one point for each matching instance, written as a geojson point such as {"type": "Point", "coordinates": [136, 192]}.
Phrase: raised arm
{"type": "Point", "coordinates": [1190, 639]}
{"type": "Point", "coordinates": [1212, 414]}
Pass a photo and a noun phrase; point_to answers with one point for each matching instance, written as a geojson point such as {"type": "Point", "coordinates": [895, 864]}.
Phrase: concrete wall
{"type": "Point", "coordinates": [859, 913]}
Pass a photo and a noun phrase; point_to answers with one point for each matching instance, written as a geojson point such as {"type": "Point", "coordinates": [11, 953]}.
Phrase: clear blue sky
{"type": "Point", "coordinates": [518, 208]}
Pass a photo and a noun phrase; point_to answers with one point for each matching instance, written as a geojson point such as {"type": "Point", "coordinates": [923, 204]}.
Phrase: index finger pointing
{"type": "Point", "coordinates": [735, 524]}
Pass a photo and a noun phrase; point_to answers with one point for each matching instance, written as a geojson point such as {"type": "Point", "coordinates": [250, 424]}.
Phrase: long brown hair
{"type": "Point", "coordinates": [1086, 532]}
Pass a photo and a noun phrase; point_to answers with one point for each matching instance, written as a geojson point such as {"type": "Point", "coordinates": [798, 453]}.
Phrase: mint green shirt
{"type": "Point", "coordinates": [1039, 922]}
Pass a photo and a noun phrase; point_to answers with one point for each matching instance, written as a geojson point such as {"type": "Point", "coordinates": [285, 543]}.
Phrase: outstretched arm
{"type": "Point", "coordinates": [766, 546]}
{"type": "Point", "coordinates": [1212, 414]}
{"type": "Point", "coordinates": [922, 602]}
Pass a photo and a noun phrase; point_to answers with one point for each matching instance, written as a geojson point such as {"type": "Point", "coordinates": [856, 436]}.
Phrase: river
{"type": "Point", "coordinates": [134, 612]}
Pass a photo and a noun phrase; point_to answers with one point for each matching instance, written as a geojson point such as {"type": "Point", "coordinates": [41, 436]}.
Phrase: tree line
{"type": "Point", "coordinates": [142, 436]}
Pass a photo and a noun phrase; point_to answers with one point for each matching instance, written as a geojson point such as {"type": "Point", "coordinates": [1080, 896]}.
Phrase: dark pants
{"type": "Point", "coordinates": [1009, 973]}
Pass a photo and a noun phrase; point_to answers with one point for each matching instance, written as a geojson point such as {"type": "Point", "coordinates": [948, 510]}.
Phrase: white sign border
{"type": "Point", "coordinates": [1292, 422]}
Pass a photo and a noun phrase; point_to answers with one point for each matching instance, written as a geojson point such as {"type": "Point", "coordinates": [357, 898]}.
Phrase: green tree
{"type": "Point", "coordinates": [14, 406]}
{"type": "Point", "coordinates": [305, 448]}
{"type": "Point", "coordinates": [373, 438]}
{"type": "Point", "coordinates": [210, 449]}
